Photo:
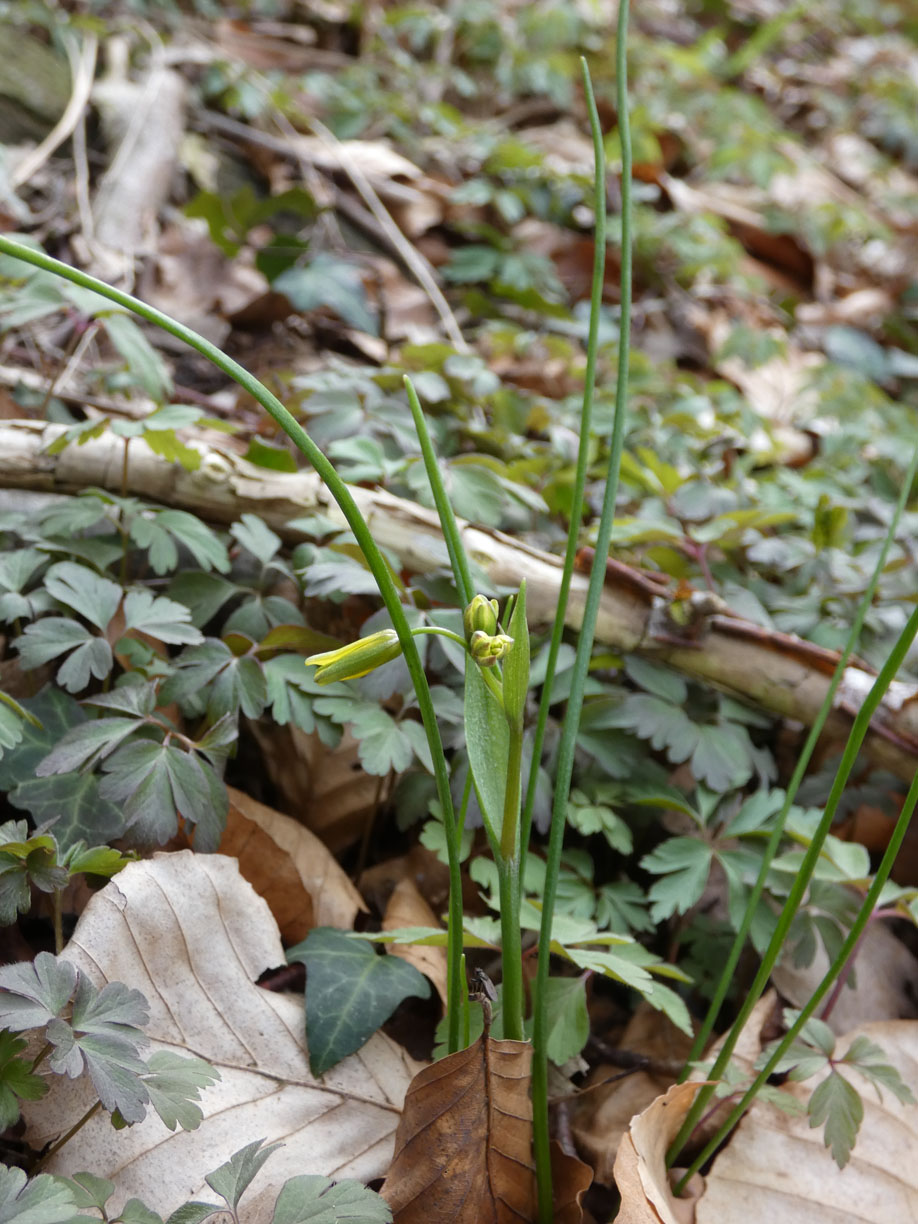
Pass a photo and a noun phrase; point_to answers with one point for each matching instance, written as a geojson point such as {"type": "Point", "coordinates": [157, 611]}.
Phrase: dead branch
{"type": "Point", "coordinates": [778, 672]}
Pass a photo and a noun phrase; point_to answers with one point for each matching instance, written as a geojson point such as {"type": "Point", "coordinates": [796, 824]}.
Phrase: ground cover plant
{"type": "Point", "coordinates": [159, 620]}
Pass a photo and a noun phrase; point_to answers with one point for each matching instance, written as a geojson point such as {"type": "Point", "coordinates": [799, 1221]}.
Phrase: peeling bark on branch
{"type": "Point", "coordinates": [778, 672]}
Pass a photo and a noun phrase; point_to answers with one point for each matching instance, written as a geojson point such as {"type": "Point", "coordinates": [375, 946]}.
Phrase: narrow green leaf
{"type": "Point", "coordinates": [488, 741]}
{"type": "Point", "coordinates": [516, 663]}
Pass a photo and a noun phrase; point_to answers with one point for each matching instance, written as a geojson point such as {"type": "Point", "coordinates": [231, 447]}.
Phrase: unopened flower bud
{"type": "Point", "coordinates": [480, 616]}
{"type": "Point", "coordinates": [486, 649]}
{"type": "Point", "coordinates": [357, 658]}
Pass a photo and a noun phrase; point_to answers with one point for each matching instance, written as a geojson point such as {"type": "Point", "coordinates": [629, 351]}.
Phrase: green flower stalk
{"type": "Point", "coordinates": [357, 658]}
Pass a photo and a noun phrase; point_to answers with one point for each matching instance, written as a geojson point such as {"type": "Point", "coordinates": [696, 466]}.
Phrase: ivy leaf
{"type": "Point", "coordinates": [568, 1021]}
{"type": "Point", "coordinates": [71, 800]}
{"type": "Point", "coordinates": [837, 1105]}
{"type": "Point", "coordinates": [161, 617]}
{"type": "Point", "coordinates": [203, 594]}
{"type": "Point", "coordinates": [156, 782]}
{"type": "Point", "coordinates": [174, 1083]}
{"type": "Point", "coordinates": [311, 1199]}
{"type": "Point", "coordinates": [17, 1080]}
{"type": "Point", "coordinates": [38, 1200]}
{"type": "Point", "coordinates": [350, 992]}
{"type": "Point", "coordinates": [232, 1179]}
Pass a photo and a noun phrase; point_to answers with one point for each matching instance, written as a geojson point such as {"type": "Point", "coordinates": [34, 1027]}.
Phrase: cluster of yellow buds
{"type": "Point", "coordinates": [487, 648]}
{"type": "Point", "coordinates": [357, 659]}
{"type": "Point", "coordinates": [486, 645]}
{"type": "Point", "coordinates": [480, 616]}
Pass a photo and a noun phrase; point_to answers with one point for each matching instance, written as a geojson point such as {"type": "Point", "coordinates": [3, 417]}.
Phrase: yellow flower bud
{"type": "Point", "coordinates": [486, 649]}
{"type": "Point", "coordinates": [480, 616]}
{"type": "Point", "coordinates": [357, 658]}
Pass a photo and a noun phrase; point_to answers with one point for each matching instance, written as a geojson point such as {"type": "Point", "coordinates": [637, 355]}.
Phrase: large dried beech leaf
{"type": "Point", "coordinates": [640, 1166]}
{"type": "Point", "coordinates": [290, 867]}
{"type": "Point", "coordinates": [191, 934]}
{"type": "Point", "coordinates": [463, 1151]}
{"type": "Point", "coordinates": [776, 1168]}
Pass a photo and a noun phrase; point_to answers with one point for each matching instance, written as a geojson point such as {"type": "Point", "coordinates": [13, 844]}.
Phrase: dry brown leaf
{"type": "Point", "coordinates": [290, 867]}
{"type": "Point", "coordinates": [610, 1100]}
{"type": "Point", "coordinates": [407, 908]}
{"type": "Point", "coordinates": [571, 1179]}
{"type": "Point", "coordinates": [327, 787]}
{"type": "Point", "coordinates": [463, 1150]}
{"type": "Point", "coordinates": [193, 936]}
{"type": "Point", "coordinates": [776, 1168]}
{"type": "Point", "coordinates": [883, 987]}
{"type": "Point", "coordinates": [640, 1166]}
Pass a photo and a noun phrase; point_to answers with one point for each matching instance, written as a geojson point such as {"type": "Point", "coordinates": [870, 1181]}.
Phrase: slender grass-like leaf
{"type": "Point", "coordinates": [325, 470]}
{"type": "Point", "coordinates": [793, 900]}
{"type": "Point", "coordinates": [540, 1032]}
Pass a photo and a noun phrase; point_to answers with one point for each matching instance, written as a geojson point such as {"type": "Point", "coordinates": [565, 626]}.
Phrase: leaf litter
{"type": "Point", "coordinates": [191, 935]}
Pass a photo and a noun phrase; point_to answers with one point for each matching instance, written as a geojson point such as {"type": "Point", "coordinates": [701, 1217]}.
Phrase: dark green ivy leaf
{"type": "Point", "coordinates": [350, 992]}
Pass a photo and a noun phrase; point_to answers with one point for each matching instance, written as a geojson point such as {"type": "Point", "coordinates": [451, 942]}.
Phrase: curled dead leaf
{"type": "Point", "coordinates": [640, 1166]}
{"type": "Point", "coordinates": [290, 867]}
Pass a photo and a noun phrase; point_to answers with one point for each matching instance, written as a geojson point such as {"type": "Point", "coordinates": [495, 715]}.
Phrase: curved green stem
{"type": "Point", "coordinates": [355, 521]}
{"type": "Point", "coordinates": [583, 450]}
{"type": "Point", "coordinates": [774, 840]}
{"type": "Point", "coordinates": [810, 859]}
{"type": "Point", "coordinates": [850, 943]}
{"type": "Point", "coordinates": [454, 547]}
{"type": "Point", "coordinates": [439, 631]}
{"type": "Point", "coordinates": [582, 661]}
